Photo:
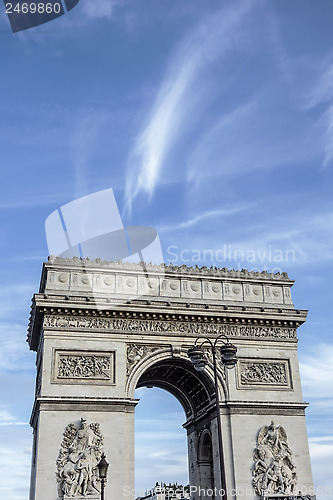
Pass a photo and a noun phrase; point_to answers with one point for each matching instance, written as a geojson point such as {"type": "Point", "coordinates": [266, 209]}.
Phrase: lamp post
{"type": "Point", "coordinates": [103, 471]}
{"type": "Point", "coordinates": [229, 359]}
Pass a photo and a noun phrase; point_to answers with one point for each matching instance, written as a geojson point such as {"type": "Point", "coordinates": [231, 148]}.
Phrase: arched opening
{"type": "Point", "coordinates": [195, 392]}
{"type": "Point", "coordinates": [160, 440]}
{"type": "Point", "coordinates": [205, 461]}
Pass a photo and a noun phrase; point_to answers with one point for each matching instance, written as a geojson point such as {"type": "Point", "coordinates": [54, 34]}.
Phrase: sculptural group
{"type": "Point", "coordinates": [79, 455]}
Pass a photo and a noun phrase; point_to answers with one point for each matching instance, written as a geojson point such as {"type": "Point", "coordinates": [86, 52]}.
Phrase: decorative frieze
{"type": "Point", "coordinates": [80, 366]}
{"type": "Point", "coordinates": [77, 472]}
{"type": "Point", "coordinates": [264, 374]}
{"type": "Point", "coordinates": [274, 471]}
{"type": "Point", "coordinates": [163, 326]}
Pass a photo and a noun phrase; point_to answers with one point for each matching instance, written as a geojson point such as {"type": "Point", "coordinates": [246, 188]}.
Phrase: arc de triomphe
{"type": "Point", "coordinates": [102, 329]}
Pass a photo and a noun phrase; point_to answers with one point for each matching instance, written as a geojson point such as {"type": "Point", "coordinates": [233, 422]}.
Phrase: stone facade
{"type": "Point", "coordinates": [102, 329]}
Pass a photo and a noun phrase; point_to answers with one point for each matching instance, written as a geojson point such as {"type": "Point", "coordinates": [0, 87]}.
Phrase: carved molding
{"type": "Point", "coordinates": [81, 450]}
{"type": "Point", "coordinates": [80, 366]}
{"type": "Point", "coordinates": [162, 326]}
{"type": "Point", "coordinates": [263, 373]}
{"type": "Point", "coordinates": [274, 471]}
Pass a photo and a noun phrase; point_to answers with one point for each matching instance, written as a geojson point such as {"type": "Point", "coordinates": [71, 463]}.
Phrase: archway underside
{"type": "Point", "coordinates": [194, 391]}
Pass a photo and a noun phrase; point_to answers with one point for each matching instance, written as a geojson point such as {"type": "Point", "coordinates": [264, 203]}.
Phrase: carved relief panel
{"type": "Point", "coordinates": [78, 366]}
{"type": "Point", "coordinates": [262, 374]}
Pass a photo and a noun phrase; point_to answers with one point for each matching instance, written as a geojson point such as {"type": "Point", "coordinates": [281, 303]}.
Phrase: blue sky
{"type": "Point", "coordinates": [213, 122]}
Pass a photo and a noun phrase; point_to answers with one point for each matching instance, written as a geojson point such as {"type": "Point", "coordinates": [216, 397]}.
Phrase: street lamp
{"type": "Point", "coordinates": [103, 471]}
{"type": "Point", "coordinates": [199, 361]}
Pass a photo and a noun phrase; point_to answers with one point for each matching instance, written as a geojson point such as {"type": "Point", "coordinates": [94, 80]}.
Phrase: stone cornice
{"type": "Point", "coordinates": [264, 407]}
{"type": "Point", "coordinates": [92, 303]}
{"type": "Point", "coordinates": [252, 408]}
{"type": "Point", "coordinates": [266, 404]}
{"type": "Point", "coordinates": [146, 316]}
{"type": "Point", "coordinates": [56, 403]}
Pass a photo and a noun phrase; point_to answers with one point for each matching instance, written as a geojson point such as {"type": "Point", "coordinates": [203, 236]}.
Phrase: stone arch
{"type": "Point", "coordinates": [195, 391]}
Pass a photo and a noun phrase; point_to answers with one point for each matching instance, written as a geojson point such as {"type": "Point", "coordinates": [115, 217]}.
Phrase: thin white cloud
{"type": "Point", "coordinates": [317, 373]}
{"type": "Point", "coordinates": [14, 351]}
{"type": "Point", "coordinates": [321, 461]}
{"type": "Point", "coordinates": [295, 240]}
{"type": "Point", "coordinates": [36, 200]}
{"type": "Point", "coordinates": [322, 91]}
{"type": "Point", "coordinates": [15, 455]}
{"type": "Point", "coordinates": [322, 94]}
{"type": "Point", "coordinates": [320, 439]}
{"type": "Point", "coordinates": [6, 418]}
{"type": "Point", "coordinates": [207, 153]}
{"type": "Point", "coordinates": [279, 50]}
{"type": "Point", "coordinates": [223, 212]}
{"type": "Point", "coordinates": [83, 143]}
{"type": "Point", "coordinates": [310, 236]}
{"type": "Point", "coordinates": [327, 122]}
{"type": "Point", "coordinates": [212, 39]}
{"type": "Point", "coordinates": [98, 9]}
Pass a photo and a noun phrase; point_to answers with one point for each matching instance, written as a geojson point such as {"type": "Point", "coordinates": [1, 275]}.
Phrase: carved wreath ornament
{"type": "Point", "coordinates": [274, 471]}
{"type": "Point", "coordinates": [80, 452]}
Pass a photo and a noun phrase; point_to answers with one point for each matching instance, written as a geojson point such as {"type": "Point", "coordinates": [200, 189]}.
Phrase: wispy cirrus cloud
{"type": "Point", "coordinates": [15, 454]}
{"type": "Point", "coordinates": [210, 214]}
{"type": "Point", "coordinates": [322, 91]}
{"type": "Point", "coordinates": [263, 243]}
{"type": "Point", "coordinates": [83, 143]}
{"type": "Point", "coordinates": [327, 122]}
{"type": "Point", "coordinates": [211, 155]}
{"type": "Point", "coordinates": [14, 353]}
{"type": "Point", "coordinates": [321, 453]}
{"type": "Point", "coordinates": [100, 9]}
{"type": "Point", "coordinates": [213, 38]}
{"type": "Point", "coordinates": [6, 418]}
{"type": "Point", "coordinates": [317, 373]}
{"type": "Point", "coordinates": [322, 94]}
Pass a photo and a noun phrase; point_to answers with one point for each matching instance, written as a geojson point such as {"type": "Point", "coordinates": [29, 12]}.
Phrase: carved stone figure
{"type": "Point", "coordinates": [80, 452]}
{"type": "Point", "coordinates": [274, 471]}
{"type": "Point", "coordinates": [135, 352]}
